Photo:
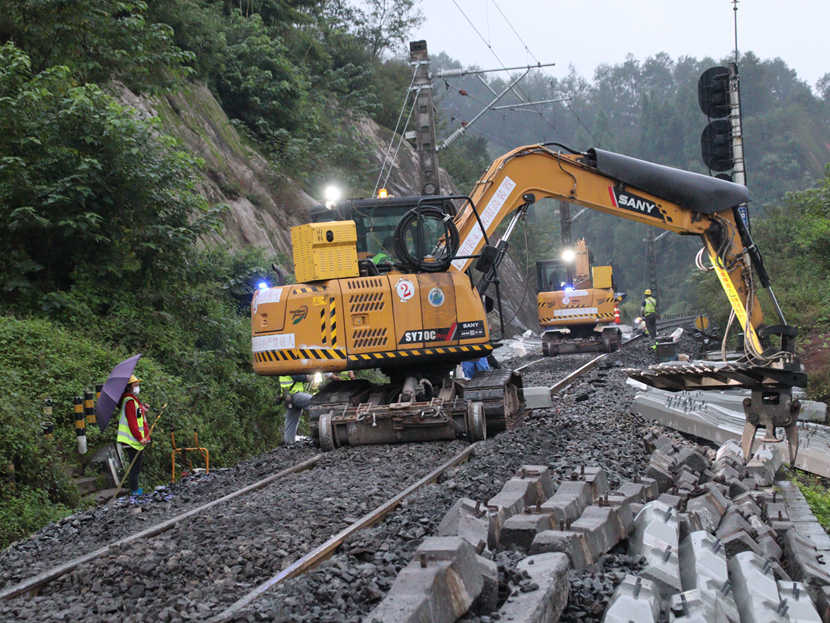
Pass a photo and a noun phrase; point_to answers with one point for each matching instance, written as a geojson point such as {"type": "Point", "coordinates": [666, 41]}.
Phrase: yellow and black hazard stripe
{"type": "Point", "coordinates": [473, 350]}
{"type": "Point", "coordinates": [295, 354]}
{"type": "Point", "coordinates": [307, 289]}
{"type": "Point", "coordinates": [333, 321]}
{"type": "Point", "coordinates": [367, 360]}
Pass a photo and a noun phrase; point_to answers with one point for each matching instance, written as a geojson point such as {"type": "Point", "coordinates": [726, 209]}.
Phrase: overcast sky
{"type": "Point", "coordinates": [587, 33]}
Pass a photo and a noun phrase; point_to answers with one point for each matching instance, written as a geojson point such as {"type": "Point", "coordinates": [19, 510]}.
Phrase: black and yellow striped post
{"type": "Point", "coordinates": [98, 389]}
{"type": "Point", "coordinates": [80, 423]}
{"type": "Point", "coordinates": [47, 425]}
{"type": "Point", "coordinates": [89, 408]}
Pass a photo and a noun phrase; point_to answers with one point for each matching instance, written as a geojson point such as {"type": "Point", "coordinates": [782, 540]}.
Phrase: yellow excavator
{"type": "Point", "coordinates": [417, 316]}
{"type": "Point", "coordinates": [577, 304]}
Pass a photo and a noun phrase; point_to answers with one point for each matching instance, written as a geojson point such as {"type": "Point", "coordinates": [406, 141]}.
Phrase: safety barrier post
{"type": "Point", "coordinates": [80, 424]}
{"type": "Point", "coordinates": [89, 408]}
{"type": "Point", "coordinates": [196, 447]}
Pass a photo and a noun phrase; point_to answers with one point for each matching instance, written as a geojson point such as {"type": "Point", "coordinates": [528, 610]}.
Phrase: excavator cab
{"type": "Point", "coordinates": [376, 222]}
{"type": "Point", "coordinates": [551, 275]}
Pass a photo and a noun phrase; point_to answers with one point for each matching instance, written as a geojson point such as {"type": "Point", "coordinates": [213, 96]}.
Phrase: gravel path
{"type": "Point", "coordinates": [201, 567]}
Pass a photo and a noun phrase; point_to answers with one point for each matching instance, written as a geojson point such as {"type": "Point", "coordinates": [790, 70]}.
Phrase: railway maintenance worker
{"type": "Point", "coordinates": [297, 391]}
{"type": "Point", "coordinates": [648, 309]}
{"type": "Point", "coordinates": [294, 391]}
{"type": "Point", "coordinates": [133, 431]}
{"type": "Point", "coordinates": [472, 366]}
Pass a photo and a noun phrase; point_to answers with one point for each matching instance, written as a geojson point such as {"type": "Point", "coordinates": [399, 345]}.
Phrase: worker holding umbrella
{"type": "Point", "coordinates": [120, 394]}
{"type": "Point", "coordinates": [133, 430]}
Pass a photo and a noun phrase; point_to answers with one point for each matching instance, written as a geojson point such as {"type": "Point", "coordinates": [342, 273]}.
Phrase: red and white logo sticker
{"type": "Point", "coordinates": [405, 290]}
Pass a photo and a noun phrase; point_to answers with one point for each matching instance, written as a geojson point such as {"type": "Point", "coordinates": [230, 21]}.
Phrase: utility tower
{"type": "Point", "coordinates": [424, 118]}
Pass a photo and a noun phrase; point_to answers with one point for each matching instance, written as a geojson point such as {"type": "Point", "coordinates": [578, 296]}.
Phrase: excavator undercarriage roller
{"type": "Point", "coordinates": [608, 340]}
{"type": "Point", "coordinates": [358, 413]}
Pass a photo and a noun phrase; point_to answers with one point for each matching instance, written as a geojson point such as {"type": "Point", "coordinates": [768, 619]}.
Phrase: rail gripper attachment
{"type": "Point", "coordinates": [771, 408]}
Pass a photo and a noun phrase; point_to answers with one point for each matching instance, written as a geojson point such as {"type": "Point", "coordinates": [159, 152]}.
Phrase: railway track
{"type": "Point", "coordinates": [246, 553]}
{"type": "Point", "coordinates": [33, 585]}
{"type": "Point", "coordinates": [237, 541]}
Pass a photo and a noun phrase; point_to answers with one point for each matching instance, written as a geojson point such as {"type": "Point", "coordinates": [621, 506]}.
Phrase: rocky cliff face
{"type": "Point", "coordinates": [264, 205]}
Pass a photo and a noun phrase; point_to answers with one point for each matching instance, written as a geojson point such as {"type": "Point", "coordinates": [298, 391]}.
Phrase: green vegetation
{"type": "Point", "coordinates": [100, 253]}
{"type": "Point", "coordinates": [102, 247]}
{"type": "Point", "coordinates": [817, 494]}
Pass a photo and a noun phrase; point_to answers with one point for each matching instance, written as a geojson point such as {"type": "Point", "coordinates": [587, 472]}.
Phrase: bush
{"type": "Point", "coordinates": [195, 337]}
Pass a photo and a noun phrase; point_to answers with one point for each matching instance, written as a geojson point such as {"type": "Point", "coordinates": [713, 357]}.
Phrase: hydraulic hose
{"type": "Point", "coordinates": [440, 249]}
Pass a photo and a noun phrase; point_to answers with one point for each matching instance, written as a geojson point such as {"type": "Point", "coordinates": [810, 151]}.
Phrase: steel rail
{"type": "Point", "coordinates": [559, 385]}
{"type": "Point", "coordinates": [44, 577]}
{"type": "Point", "coordinates": [324, 550]}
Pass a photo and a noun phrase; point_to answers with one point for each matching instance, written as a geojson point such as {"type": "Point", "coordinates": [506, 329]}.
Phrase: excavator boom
{"type": "Point", "coordinates": [679, 201]}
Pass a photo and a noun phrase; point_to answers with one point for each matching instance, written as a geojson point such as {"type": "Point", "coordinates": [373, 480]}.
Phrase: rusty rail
{"type": "Point", "coordinates": [35, 582]}
{"type": "Point", "coordinates": [324, 550]}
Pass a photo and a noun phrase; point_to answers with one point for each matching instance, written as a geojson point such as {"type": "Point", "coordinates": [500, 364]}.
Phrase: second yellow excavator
{"type": "Point", "coordinates": [418, 315]}
{"type": "Point", "coordinates": [577, 304]}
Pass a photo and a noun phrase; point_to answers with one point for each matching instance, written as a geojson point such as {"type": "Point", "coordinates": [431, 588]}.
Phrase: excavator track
{"type": "Point", "coordinates": [359, 413]}
{"type": "Point", "coordinates": [500, 392]}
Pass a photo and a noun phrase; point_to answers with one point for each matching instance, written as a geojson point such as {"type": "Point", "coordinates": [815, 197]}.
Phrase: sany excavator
{"type": "Point", "coordinates": [577, 304]}
{"type": "Point", "coordinates": [417, 317]}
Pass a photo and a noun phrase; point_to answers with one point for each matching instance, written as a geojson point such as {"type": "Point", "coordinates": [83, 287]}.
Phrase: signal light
{"type": "Point", "coordinates": [716, 145]}
{"type": "Point", "coordinates": [383, 193]}
{"type": "Point", "coordinates": [713, 92]}
{"type": "Point", "coordinates": [714, 99]}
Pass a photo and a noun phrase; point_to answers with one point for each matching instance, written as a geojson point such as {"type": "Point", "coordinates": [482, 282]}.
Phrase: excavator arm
{"type": "Point", "coordinates": [679, 201]}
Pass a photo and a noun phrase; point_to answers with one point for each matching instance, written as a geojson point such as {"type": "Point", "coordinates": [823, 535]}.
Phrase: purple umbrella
{"type": "Point", "coordinates": [113, 389]}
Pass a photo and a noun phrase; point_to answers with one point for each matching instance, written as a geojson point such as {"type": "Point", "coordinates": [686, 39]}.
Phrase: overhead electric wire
{"type": "Point", "coordinates": [480, 36]}
{"type": "Point", "coordinates": [515, 90]}
{"type": "Point", "coordinates": [521, 96]}
{"type": "Point", "coordinates": [514, 32]}
{"type": "Point", "coordinates": [533, 56]}
{"type": "Point", "coordinates": [395, 131]}
{"type": "Point", "coordinates": [400, 142]}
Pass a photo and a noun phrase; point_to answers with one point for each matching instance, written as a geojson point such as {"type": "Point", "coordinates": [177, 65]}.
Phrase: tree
{"type": "Point", "coordinates": [86, 187]}
{"type": "Point", "coordinates": [384, 25]}
{"type": "Point", "coordinates": [97, 39]}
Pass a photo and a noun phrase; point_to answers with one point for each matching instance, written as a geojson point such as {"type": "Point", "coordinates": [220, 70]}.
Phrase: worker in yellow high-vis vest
{"type": "Point", "coordinates": [296, 392]}
{"type": "Point", "coordinates": [133, 430]}
{"type": "Point", "coordinates": [648, 309]}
